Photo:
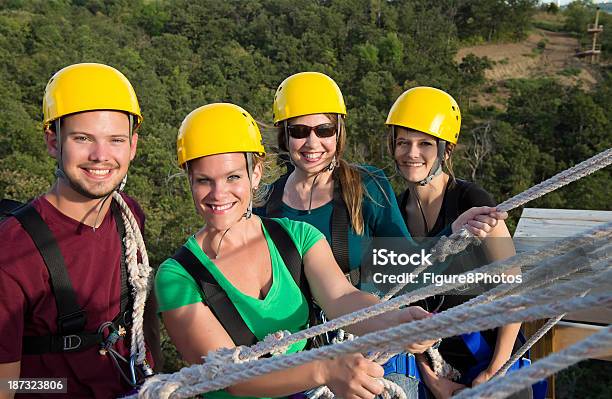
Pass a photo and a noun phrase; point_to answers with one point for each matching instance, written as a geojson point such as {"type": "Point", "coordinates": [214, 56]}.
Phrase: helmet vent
{"type": "Point", "coordinates": [245, 115]}
{"type": "Point", "coordinates": [453, 107]}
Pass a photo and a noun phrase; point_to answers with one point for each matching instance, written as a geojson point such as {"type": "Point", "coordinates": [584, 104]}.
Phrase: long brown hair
{"type": "Point", "coordinates": [348, 175]}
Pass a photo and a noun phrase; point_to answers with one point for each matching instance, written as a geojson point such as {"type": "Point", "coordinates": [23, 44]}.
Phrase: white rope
{"type": "Point", "coordinates": [457, 242]}
{"type": "Point", "coordinates": [601, 233]}
{"type": "Point", "coordinates": [501, 387]}
{"type": "Point", "coordinates": [533, 257]}
{"type": "Point", "coordinates": [593, 253]}
{"type": "Point", "coordinates": [443, 249]}
{"type": "Point", "coordinates": [138, 276]}
{"type": "Point", "coordinates": [196, 379]}
{"type": "Point", "coordinates": [445, 324]}
{"type": "Point", "coordinates": [391, 390]}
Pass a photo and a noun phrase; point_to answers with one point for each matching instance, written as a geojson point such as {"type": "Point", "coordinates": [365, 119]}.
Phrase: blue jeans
{"type": "Point", "coordinates": [408, 384]}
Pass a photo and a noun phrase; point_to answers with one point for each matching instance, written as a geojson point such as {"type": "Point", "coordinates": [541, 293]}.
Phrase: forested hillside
{"type": "Point", "coordinates": [183, 54]}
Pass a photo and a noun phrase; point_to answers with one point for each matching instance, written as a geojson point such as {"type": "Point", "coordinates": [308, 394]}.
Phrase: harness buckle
{"type": "Point", "coordinates": [72, 342]}
{"type": "Point", "coordinates": [73, 322]}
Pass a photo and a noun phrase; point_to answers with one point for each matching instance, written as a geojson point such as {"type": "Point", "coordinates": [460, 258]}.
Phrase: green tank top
{"type": "Point", "coordinates": [283, 308]}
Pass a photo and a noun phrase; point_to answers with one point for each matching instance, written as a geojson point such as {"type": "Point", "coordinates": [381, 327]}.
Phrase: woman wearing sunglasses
{"type": "Point", "coordinates": [232, 282]}
{"type": "Point", "coordinates": [424, 127]}
{"type": "Point", "coordinates": [349, 204]}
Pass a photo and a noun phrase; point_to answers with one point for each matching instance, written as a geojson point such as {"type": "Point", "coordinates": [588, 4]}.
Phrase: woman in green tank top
{"type": "Point", "coordinates": [219, 146]}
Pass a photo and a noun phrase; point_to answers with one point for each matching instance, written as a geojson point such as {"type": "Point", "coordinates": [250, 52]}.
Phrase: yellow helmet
{"type": "Point", "coordinates": [307, 93]}
{"type": "Point", "coordinates": [217, 129]}
{"type": "Point", "coordinates": [88, 87]}
{"type": "Point", "coordinates": [428, 110]}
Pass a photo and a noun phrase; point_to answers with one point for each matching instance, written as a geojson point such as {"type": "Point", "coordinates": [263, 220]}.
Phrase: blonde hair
{"type": "Point", "coordinates": [349, 176]}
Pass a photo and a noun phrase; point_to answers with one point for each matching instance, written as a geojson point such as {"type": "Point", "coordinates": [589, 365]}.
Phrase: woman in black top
{"type": "Point", "coordinates": [425, 126]}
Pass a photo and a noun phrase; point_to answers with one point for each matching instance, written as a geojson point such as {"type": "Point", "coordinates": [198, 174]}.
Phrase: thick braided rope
{"type": "Point", "coordinates": [534, 278]}
{"type": "Point", "coordinates": [442, 368]}
{"type": "Point", "coordinates": [501, 387]}
{"type": "Point", "coordinates": [553, 249]}
{"type": "Point", "coordinates": [601, 232]}
{"type": "Point", "coordinates": [391, 390]}
{"type": "Point", "coordinates": [595, 255]}
{"type": "Point", "coordinates": [457, 242]}
{"type": "Point", "coordinates": [447, 323]}
{"type": "Point", "coordinates": [576, 172]}
{"type": "Point", "coordinates": [190, 379]}
{"type": "Point", "coordinates": [138, 276]}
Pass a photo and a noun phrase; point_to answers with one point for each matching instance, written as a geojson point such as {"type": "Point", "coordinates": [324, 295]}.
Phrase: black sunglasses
{"type": "Point", "coordinates": [302, 131]}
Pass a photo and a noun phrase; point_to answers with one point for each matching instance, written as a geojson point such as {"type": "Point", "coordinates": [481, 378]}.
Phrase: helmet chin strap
{"type": "Point", "coordinates": [436, 169]}
{"type": "Point", "coordinates": [249, 161]}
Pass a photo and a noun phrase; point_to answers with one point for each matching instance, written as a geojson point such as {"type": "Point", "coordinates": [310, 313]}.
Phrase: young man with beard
{"type": "Point", "coordinates": [71, 291]}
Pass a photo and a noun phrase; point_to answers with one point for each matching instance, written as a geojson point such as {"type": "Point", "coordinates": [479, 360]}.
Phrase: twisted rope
{"type": "Point", "coordinates": [457, 242]}
{"type": "Point", "coordinates": [138, 275]}
{"type": "Point", "coordinates": [553, 249]}
{"type": "Point", "coordinates": [501, 387]}
{"type": "Point", "coordinates": [191, 375]}
{"type": "Point", "coordinates": [391, 390]}
{"type": "Point", "coordinates": [443, 248]}
{"type": "Point", "coordinates": [561, 179]}
{"type": "Point", "coordinates": [190, 379]}
{"type": "Point", "coordinates": [447, 323]}
{"type": "Point", "coordinates": [529, 343]}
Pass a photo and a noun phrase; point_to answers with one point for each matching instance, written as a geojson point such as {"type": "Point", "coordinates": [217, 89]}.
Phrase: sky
{"type": "Point", "coordinates": [564, 2]}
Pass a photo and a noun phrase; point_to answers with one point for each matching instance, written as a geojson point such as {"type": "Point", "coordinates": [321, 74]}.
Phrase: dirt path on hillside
{"type": "Point", "coordinates": [525, 60]}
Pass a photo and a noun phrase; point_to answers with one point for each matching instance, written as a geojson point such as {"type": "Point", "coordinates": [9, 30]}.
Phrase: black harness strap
{"type": "Point", "coordinates": [216, 298]}
{"type": "Point", "coordinates": [339, 228]}
{"type": "Point", "coordinates": [7, 206]}
{"type": "Point", "coordinates": [451, 201]}
{"type": "Point", "coordinates": [71, 319]}
{"type": "Point", "coordinates": [291, 257]}
{"type": "Point", "coordinates": [70, 316]}
{"type": "Point", "coordinates": [275, 202]}
{"type": "Point", "coordinates": [125, 305]}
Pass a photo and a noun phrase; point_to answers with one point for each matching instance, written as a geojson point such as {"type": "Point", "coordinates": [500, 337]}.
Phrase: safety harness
{"type": "Point", "coordinates": [71, 318]}
{"type": "Point", "coordinates": [339, 228]}
{"type": "Point", "coordinates": [216, 298]}
{"type": "Point", "coordinates": [482, 353]}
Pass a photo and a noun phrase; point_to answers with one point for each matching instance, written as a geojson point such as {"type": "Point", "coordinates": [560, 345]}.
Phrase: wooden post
{"type": "Point", "coordinates": [595, 30]}
{"type": "Point", "coordinates": [542, 348]}
{"type": "Point", "coordinates": [538, 227]}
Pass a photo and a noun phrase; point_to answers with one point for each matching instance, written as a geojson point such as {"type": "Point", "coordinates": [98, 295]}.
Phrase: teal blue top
{"type": "Point", "coordinates": [381, 215]}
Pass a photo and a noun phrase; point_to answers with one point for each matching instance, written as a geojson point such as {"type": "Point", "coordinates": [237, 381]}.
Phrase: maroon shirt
{"type": "Point", "coordinates": [27, 304]}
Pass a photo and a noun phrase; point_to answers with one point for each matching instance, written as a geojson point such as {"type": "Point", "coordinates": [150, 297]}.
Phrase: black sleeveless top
{"type": "Point", "coordinates": [460, 195]}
